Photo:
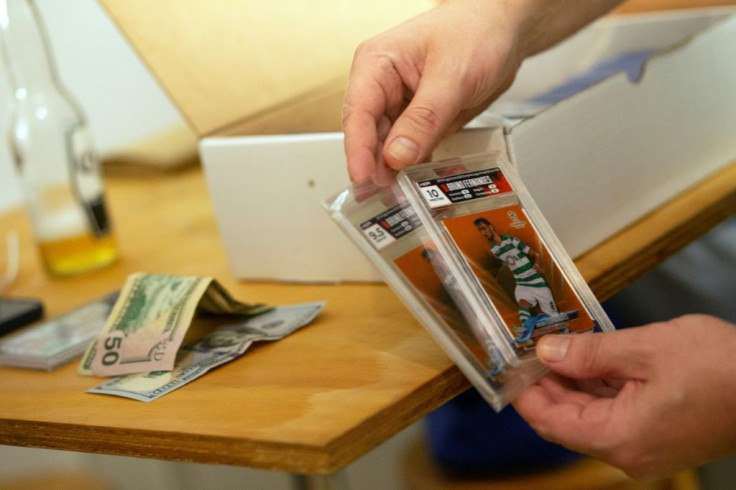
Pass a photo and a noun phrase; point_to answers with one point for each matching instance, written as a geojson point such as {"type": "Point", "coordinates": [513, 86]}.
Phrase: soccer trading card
{"type": "Point", "coordinates": [423, 266]}
{"type": "Point", "coordinates": [498, 245]}
{"type": "Point", "coordinates": [385, 227]}
{"type": "Point", "coordinates": [517, 271]}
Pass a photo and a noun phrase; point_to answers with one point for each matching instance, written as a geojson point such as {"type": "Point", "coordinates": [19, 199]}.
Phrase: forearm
{"type": "Point", "coordinates": [429, 76]}
{"type": "Point", "coordinates": [544, 23]}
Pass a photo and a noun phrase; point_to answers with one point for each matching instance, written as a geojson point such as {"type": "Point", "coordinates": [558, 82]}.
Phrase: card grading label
{"type": "Point", "coordinates": [444, 191]}
{"type": "Point", "coordinates": [390, 225]}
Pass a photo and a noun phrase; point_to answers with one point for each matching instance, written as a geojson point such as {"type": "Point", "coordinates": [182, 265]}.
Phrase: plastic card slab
{"type": "Point", "coordinates": [52, 343]}
{"type": "Point", "coordinates": [383, 224]}
{"type": "Point", "coordinates": [499, 247]}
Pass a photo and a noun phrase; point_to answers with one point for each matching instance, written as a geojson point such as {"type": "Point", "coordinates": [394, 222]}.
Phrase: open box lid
{"type": "Point", "coordinates": [236, 67]}
{"type": "Point", "coordinates": [245, 66]}
{"type": "Point", "coordinates": [598, 160]}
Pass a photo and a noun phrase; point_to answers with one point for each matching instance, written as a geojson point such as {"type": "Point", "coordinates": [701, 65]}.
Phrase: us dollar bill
{"type": "Point", "coordinates": [219, 347]}
{"type": "Point", "coordinates": [149, 320]}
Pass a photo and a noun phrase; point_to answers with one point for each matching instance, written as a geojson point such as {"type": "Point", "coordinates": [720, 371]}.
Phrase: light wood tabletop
{"type": "Point", "coordinates": [310, 403]}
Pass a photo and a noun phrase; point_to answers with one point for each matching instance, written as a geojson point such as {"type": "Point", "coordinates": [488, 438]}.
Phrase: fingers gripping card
{"type": "Point", "coordinates": [498, 245]}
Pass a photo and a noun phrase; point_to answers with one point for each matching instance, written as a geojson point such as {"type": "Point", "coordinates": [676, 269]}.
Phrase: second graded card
{"type": "Point", "coordinates": [499, 246]}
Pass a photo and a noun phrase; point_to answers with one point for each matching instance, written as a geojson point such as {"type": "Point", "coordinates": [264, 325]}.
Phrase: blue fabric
{"type": "Point", "coordinates": [630, 63]}
{"type": "Point", "coordinates": [467, 436]}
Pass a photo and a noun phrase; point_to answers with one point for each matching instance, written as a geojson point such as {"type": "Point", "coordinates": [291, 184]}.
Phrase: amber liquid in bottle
{"type": "Point", "coordinates": [80, 253]}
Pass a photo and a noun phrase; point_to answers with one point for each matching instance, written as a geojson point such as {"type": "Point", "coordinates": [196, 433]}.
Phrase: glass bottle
{"type": "Point", "coordinates": [52, 147]}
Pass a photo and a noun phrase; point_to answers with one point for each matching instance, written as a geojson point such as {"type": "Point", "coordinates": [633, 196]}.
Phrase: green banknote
{"type": "Point", "coordinates": [150, 319]}
{"type": "Point", "coordinates": [220, 346]}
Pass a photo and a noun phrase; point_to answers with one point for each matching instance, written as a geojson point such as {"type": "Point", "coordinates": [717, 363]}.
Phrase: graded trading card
{"type": "Point", "coordinates": [422, 267]}
{"type": "Point", "coordinates": [56, 341]}
{"type": "Point", "coordinates": [385, 227]}
{"type": "Point", "coordinates": [517, 271]}
{"type": "Point", "coordinates": [498, 245]}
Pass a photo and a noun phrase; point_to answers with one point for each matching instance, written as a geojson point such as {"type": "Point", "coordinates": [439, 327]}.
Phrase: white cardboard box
{"type": "Point", "coordinates": [595, 162]}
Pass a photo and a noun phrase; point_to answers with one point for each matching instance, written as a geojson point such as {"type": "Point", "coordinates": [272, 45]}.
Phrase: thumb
{"type": "Point", "coordinates": [425, 120]}
{"type": "Point", "coordinates": [591, 355]}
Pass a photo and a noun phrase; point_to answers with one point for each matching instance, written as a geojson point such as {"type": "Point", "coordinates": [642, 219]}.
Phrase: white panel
{"type": "Point", "coordinates": [605, 157]}
{"type": "Point", "coordinates": [267, 193]}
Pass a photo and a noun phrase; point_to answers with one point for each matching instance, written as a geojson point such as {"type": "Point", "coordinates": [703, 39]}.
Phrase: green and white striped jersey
{"type": "Point", "coordinates": [515, 254]}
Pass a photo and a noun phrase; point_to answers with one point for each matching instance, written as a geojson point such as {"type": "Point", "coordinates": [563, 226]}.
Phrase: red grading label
{"type": "Point", "coordinates": [444, 191]}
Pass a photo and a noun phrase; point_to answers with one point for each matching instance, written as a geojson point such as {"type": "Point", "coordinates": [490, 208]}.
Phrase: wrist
{"type": "Point", "coordinates": [543, 23]}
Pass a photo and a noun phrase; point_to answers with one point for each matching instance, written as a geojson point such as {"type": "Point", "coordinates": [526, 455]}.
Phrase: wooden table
{"type": "Point", "coordinates": [309, 404]}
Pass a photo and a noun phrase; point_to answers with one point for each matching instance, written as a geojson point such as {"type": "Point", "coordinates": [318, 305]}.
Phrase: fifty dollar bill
{"type": "Point", "coordinates": [150, 319]}
{"type": "Point", "coordinates": [221, 346]}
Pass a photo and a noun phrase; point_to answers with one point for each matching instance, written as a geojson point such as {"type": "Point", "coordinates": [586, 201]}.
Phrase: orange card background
{"type": "Point", "coordinates": [511, 220]}
{"type": "Point", "coordinates": [423, 276]}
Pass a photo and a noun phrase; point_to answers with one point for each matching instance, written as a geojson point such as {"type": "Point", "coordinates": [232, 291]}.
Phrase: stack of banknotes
{"type": "Point", "coordinates": [155, 335]}
{"type": "Point", "coordinates": [145, 342]}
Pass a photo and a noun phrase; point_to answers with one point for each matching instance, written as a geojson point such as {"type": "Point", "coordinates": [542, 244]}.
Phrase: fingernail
{"type": "Point", "coordinates": [553, 348]}
{"type": "Point", "coordinates": [404, 150]}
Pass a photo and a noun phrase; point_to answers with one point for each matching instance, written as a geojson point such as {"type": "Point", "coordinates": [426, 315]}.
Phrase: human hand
{"type": "Point", "coordinates": [413, 84]}
{"type": "Point", "coordinates": [650, 400]}
{"type": "Point", "coordinates": [429, 76]}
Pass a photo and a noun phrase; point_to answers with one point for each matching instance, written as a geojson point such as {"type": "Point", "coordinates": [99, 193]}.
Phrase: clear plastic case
{"type": "Point", "coordinates": [501, 250]}
{"type": "Point", "coordinates": [385, 226]}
